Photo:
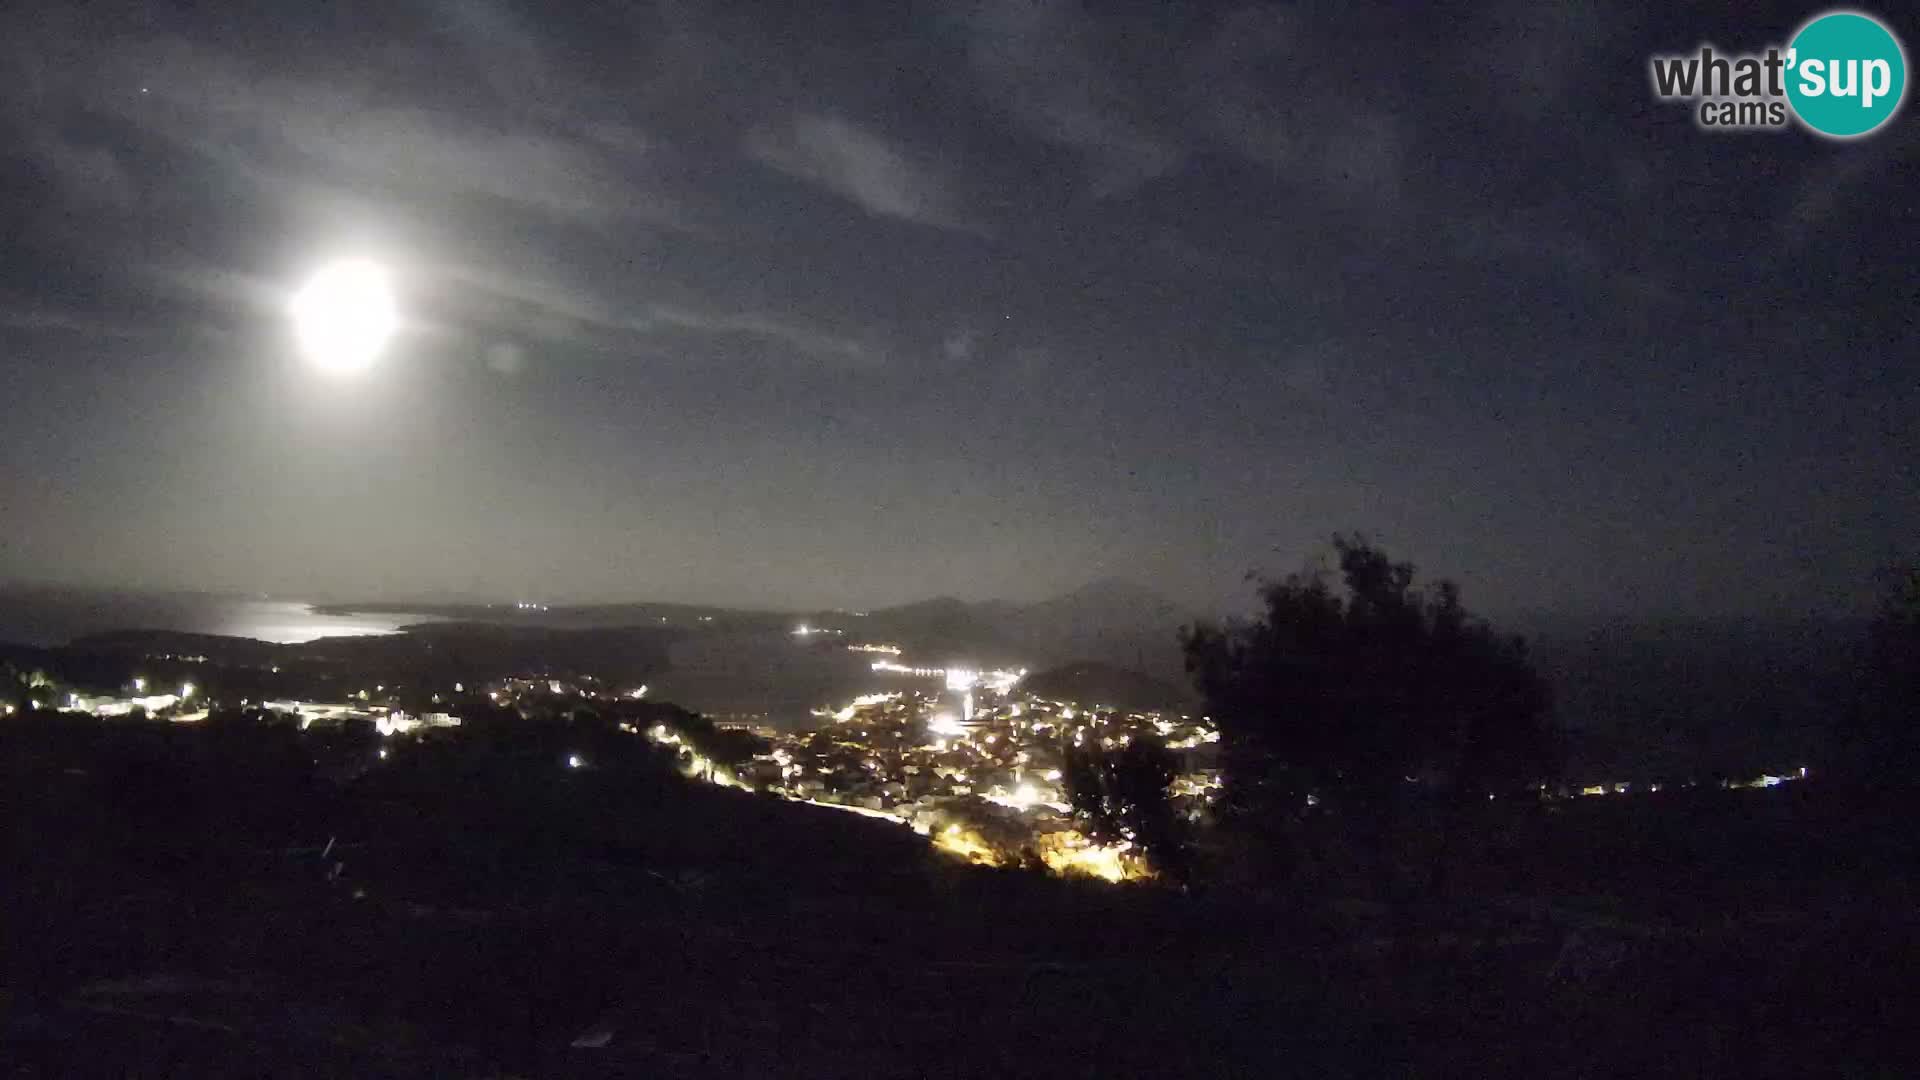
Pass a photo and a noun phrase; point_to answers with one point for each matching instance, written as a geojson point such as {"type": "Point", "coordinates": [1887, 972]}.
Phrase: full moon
{"type": "Point", "coordinates": [344, 315]}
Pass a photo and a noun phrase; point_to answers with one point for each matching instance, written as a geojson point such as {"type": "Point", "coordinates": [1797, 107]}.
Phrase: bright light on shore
{"type": "Point", "coordinates": [344, 315]}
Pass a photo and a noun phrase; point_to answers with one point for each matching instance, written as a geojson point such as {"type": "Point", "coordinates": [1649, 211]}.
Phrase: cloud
{"type": "Point", "coordinates": [46, 124]}
{"type": "Point", "coordinates": [1312, 135]}
{"type": "Point", "coordinates": [264, 122]}
{"type": "Point", "coordinates": [516, 295]}
{"type": "Point", "coordinates": [1039, 60]}
{"type": "Point", "coordinates": [506, 358]}
{"type": "Point", "coordinates": [547, 309]}
{"type": "Point", "coordinates": [855, 163]}
{"type": "Point", "coordinates": [1032, 362]}
{"type": "Point", "coordinates": [440, 153]}
{"type": "Point", "coordinates": [959, 346]}
{"type": "Point", "coordinates": [508, 57]}
{"type": "Point", "coordinates": [102, 321]}
{"type": "Point", "coordinates": [33, 317]}
{"type": "Point", "coordinates": [819, 345]}
{"type": "Point", "coordinates": [1325, 104]}
{"type": "Point", "coordinates": [89, 174]}
{"type": "Point", "coordinates": [1832, 187]}
{"type": "Point", "coordinates": [1541, 46]}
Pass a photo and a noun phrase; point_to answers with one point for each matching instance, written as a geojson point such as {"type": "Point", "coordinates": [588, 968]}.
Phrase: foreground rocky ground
{"type": "Point", "coordinates": [630, 924]}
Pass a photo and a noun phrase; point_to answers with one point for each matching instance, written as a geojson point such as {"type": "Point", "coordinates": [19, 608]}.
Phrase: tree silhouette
{"type": "Point", "coordinates": [1890, 717]}
{"type": "Point", "coordinates": [1346, 695]}
{"type": "Point", "coordinates": [1123, 796]}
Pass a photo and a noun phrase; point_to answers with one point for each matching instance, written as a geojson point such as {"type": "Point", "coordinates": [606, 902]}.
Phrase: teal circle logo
{"type": "Point", "coordinates": [1846, 74]}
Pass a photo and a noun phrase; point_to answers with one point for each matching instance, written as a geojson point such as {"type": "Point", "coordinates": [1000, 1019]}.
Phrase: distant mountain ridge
{"type": "Point", "coordinates": [1095, 683]}
{"type": "Point", "coordinates": [1638, 696]}
{"type": "Point", "coordinates": [1110, 621]}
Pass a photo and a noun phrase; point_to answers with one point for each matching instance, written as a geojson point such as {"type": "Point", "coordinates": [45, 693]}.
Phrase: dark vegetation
{"type": "Point", "coordinates": [1370, 705]}
{"type": "Point", "coordinates": [1883, 743]}
{"type": "Point", "coordinates": [1122, 796]}
{"type": "Point", "coordinates": [538, 892]}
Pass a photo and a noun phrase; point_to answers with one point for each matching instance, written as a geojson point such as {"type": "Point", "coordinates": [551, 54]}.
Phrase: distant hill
{"type": "Point", "coordinates": [580, 616]}
{"type": "Point", "coordinates": [217, 648]}
{"type": "Point", "coordinates": [429, 654]}
{"type": "Point", "coordinates": [1109, 621]}
{"type": "Point", "coordinates": [946, 628]}
{"type": "Point", "coordinates": [1094, 683]}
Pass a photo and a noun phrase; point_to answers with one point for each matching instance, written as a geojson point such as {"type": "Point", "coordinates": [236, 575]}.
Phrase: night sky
{"type": "Point", "coordinates": [844, 304]}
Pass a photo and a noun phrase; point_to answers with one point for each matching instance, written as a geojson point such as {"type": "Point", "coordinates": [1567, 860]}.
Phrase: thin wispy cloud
{"type": "Point", "coordinates": [1036, 234]}
{"type": "Point", "coordinates": [1038, 61]}
{"type": "Point", "coordinates": [527, 305]}
{"type": "Point", "coordinates": [1312, 136]}
{"type": "Point", "coordinates": [297, 124]}
{"type": "Point", "coordinates": [857, 164]}
{"type": "Point", "coordinates": [437, 153]}
{"type": "Point", "coordinates": [808, 341]}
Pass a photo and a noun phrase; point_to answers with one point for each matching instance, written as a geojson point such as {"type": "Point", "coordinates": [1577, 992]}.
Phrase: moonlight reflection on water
{"type": "Point", "coordinates": [48, 616]}
{"type": "Point", "coordinates": [289, 623]}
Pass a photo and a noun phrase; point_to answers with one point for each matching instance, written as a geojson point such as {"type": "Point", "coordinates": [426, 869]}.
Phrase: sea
{"type": "Point", "coordinates": [755, 676]}
{"type": "Point", "coordinates": [54, 616]}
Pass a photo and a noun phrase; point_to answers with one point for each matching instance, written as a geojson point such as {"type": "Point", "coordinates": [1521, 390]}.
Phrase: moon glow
{"type": "Point", "coordinates": [344, 315]}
